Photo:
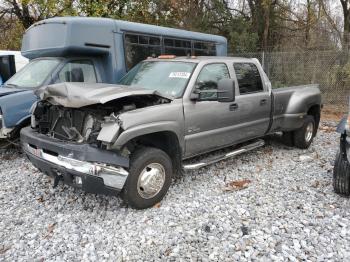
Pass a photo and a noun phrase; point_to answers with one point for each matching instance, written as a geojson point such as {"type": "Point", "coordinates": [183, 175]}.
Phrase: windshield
{"type": "Point", "coordinates": [34, 74]}
{"type": "Point", "coordinates": [168, 78]}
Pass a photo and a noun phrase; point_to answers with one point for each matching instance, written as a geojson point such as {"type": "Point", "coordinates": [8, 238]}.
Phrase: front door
{"type": "Point", "coordinates": [208, 123]}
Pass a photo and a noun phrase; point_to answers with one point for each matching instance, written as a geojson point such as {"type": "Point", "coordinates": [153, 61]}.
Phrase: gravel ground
{"type": "Point", "coordinates": [287, 211]}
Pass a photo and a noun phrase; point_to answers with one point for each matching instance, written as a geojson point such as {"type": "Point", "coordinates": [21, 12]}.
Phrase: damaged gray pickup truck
{"type": "Point", "coordinates": [134, 137]}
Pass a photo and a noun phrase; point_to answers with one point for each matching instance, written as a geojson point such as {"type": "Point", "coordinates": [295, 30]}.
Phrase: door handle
{"type": "Point", "coordinates": [233, 107]}
{"type": "Point", "coordinates": [263, 102]}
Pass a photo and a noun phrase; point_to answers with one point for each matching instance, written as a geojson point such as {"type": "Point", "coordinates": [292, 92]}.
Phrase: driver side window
{"type": "Point", "coordinates": [208, 80]}
{"type": "Point", "coordinates": [77, 71]}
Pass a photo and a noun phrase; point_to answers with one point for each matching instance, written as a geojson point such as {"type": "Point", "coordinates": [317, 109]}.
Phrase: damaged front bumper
{"type": "Point", "coordinates": [4, 132]}
{"type": "Point", "coordinates": [92, 169]}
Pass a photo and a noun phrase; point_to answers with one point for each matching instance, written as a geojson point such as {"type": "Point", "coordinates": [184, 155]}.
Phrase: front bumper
{"type": "Point", "coordinates": [80, 165]}
{"type": "Point", "coordinates": [3, 130]}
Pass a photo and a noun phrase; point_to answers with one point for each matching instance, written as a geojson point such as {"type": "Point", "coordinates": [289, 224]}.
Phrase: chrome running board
{"type": "Point", "coordinates": [238, 151]}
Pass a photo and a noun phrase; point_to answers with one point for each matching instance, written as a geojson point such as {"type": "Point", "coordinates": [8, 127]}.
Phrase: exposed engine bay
{"type": "Point", "coordinates": [83, 125]}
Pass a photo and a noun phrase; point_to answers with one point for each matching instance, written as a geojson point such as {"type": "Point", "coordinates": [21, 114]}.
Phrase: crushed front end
{"type": "Point", "coordinates": [62, 143]}
{"type": "Point", "coordinates": [71, 136]}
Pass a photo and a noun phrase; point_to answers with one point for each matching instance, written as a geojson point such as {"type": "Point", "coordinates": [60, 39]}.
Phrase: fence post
{"type": "Point", "coordinates": [263, 60]}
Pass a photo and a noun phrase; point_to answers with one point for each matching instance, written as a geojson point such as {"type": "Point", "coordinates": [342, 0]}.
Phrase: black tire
{"type": "Point", "coordinates": [299, 135]}
{"type": "Point", "coordinates": [287, 139]}
{"type": "Point", "coordinates": [139, 160]}
{"type": "Point", "coordinates": [341, 175]}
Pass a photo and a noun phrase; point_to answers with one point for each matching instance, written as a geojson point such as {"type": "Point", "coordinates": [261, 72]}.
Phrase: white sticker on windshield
{"type": "Point", "coordinates": [185, 75]}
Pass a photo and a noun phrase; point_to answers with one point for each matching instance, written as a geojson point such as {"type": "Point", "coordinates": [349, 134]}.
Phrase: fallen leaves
{"type": "Point", "coordinates": [157, 205]}
{"type": "Point", "coordinates": [237, 185]}
{"type": "Point", "coordinates": [316, 184]}
{"type": "Point", "coordinates": [268, 150]}
{"type": "Point", "coordinates": [167, 252]}
{"type": "Point", "coordinates": [259, 168]}
{"type": "Point", "coordinates": [3, 249]}
{"type": "Point", "coordinates": [50, 229]}
{"type": "Point", "coordinates": [327, 129]}
{"type": "Point", "coordinates": [40, 199]}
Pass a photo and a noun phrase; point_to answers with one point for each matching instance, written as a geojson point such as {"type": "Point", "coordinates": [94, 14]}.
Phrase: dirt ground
{"type": "Point", "coordinates": [333, 113]}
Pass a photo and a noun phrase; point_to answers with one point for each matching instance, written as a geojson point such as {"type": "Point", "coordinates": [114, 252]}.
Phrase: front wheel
{"type": "Point", "coordinates": [341, 175]}
{"type": "Point", "coordinates": [149, 179]}
{"type": "Point", "coordinates": [303, 136]}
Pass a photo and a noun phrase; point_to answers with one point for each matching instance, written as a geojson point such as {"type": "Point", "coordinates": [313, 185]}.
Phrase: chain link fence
{"type": "Point", "coordinates": [329, 69]}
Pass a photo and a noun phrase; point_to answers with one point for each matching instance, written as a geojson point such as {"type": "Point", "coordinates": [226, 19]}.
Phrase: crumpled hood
{"type": "Point", "coordinates": [9, 90]}
{"type": "Point", "coordinates": [77, 95]}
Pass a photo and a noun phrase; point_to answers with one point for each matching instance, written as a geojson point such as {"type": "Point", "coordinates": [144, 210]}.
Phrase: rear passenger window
{"type": "Point", "coordinates": [77, 71]}
{"type": "Point", "coordinates": [248, 77]}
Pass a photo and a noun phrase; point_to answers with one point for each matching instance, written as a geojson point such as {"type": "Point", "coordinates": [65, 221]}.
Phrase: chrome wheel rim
{"type": "Point", "coordinates": [309, 132]}
{"type": "Point", "coordinates": [151, 180]}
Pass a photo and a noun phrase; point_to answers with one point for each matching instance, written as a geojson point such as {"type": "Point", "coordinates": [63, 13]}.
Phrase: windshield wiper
{"type": "Point", "coordinates": [11, 85]}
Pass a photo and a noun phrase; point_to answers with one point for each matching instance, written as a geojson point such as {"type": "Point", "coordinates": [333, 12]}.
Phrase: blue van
{"type": "Point", "coordinates": [80, 49]}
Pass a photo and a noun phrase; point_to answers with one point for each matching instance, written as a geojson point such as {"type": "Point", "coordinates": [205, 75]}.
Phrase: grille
{"type": "Point", "coordinates": [67, 123]}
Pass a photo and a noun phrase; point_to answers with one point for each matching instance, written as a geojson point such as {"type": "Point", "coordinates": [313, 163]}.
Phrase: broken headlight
{"type": "Point", "coordinates": [110, 129]}
{"type": "Point", "coordinates": [33, 122]}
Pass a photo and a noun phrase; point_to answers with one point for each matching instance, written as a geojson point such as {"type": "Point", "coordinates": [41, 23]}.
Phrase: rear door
{"type": "Point", "coordinates": [253, 101]}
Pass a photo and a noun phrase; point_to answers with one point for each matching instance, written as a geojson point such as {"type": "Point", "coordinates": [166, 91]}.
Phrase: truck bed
{"type": "Point", "coordinates": [289, 109]}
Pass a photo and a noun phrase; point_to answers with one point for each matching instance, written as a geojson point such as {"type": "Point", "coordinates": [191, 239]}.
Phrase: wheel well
{"type": "Point", "coordinates": [315, 111]}
{"type": "Point", "coordinates": [166, 141]}
{"type": "Point", "coordinates": [15, 132]}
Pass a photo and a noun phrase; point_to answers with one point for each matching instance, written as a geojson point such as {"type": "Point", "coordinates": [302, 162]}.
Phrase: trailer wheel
{"type": "Point", "coordinates": [149, 179]}
{"type": "Point", "coordinates": [341, 175]}
{"type": "Point", "coordinates": [303, 136]}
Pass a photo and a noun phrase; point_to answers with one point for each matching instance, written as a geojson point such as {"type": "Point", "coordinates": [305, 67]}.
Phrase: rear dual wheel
{"type": "Point", "coordinates": [302, 137]}
{"type": "Point", "coordinates": [149, 177]}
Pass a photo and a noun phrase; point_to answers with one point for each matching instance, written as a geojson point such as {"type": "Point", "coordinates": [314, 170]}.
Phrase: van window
{"type": "Point", "coordinates": [204, 48]}
{"type": "Point", "coordinates": [78, 71]}
{"type": "Point", "coordinates": [248, 77]}
{"type": "Point", "coordinates": [208, 79]}
{"type": "Point", "coordinates": [178, 47]}
{"type": "Point", "coordinates": [139, 47]}
{"type": "Point", "coordinates": [34, 74]}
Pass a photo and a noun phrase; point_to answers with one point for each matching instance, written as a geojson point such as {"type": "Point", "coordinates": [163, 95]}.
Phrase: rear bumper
{"type": "Point", "coordinates": [80, 165]}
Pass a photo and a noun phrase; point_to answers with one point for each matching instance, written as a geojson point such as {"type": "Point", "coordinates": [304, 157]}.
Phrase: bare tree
{"type": "Point", "coordinates": [29, 12]}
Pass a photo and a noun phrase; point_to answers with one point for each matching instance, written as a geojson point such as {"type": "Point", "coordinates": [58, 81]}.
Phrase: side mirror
{"type": "Point", "coordinates": [226, 90]}
{"type": "Point", "coordinates": [195, 94]}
